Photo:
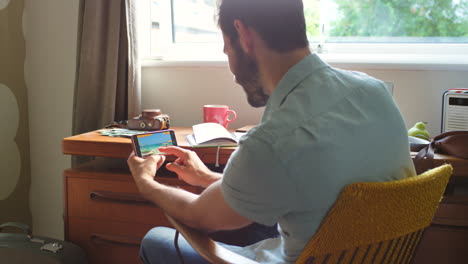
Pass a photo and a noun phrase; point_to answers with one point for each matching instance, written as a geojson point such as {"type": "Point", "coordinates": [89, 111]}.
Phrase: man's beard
{"type": "Point", "coordinates": [247, 75]}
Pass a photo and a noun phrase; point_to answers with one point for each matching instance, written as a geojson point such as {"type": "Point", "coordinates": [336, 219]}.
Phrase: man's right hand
{"type": "Point", "coordinates": [189, 167]}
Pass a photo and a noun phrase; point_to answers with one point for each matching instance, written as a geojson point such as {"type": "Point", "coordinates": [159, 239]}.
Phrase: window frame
{"type": "Point", "coordinates": [445, 55]}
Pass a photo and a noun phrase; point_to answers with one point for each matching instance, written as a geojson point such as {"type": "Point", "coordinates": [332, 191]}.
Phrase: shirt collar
{"type": "Point", "coordinates": [293, 77]}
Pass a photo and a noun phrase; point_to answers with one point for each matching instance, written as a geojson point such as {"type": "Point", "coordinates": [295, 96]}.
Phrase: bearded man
{"type": "Point", "coordinates": [323, 128]}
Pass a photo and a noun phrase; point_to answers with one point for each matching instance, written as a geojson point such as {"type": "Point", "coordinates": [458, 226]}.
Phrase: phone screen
{"type": "Point", "coordinates": [148, 144]}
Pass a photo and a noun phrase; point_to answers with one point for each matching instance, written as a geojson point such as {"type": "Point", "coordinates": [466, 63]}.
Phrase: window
{"type": "Point", "coordinates": [195, 21]}
{"type": "Point", "coordinates": [332, 25]}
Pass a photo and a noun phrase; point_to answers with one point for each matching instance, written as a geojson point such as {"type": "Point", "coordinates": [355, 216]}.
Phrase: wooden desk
{"type": "Point", "coordinates": [446, 240]}
{"type": "Point", "coordinates": [105, 215]}
{"type": "Point", "coordinates": [93, 144]}
{"type": "Point", "coordinates": [103, 210]}
{"type": "Point", "coordinates": [460, 166]}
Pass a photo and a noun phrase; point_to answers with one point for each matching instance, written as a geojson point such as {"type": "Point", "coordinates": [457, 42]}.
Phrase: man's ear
{"type": "Point", "coordinates": [245, 36]}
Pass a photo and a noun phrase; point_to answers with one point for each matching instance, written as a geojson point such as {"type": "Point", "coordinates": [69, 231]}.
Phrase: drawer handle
{"type": "Point", "coordinates": [115, 240]}
{"type": "Point", "coordinates": [127, 198]}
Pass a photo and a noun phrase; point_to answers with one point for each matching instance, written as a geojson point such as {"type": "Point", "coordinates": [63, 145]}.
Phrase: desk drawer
{"type": "Point", "coordinates": [108, 242]}
{"type": "Point", "coordinates": [117, 201]}
{"type": "Point", "coordinates": [444, 245]}
{"type": "Point", "coordinates": [452, 211]}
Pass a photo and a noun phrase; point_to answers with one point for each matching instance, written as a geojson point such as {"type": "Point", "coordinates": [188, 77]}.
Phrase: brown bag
{"type": "Point", "coordinates": [453, 143]}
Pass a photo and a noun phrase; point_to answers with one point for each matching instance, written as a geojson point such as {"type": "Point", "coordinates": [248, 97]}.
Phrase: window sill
{"type": "Point", "coordinates": [449, 62]}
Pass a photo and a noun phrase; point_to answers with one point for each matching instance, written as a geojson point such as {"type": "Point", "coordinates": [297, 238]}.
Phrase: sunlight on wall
{"type": "Point", "coordinates": [10, 161]}
{"type": "Point", "coordinates": [4, 3]}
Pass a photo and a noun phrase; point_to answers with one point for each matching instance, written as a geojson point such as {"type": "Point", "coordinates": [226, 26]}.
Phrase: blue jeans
{"type": "Point", "coordinates": [158, 244]}
{"type": "Point", "coordinates": [158, 247]}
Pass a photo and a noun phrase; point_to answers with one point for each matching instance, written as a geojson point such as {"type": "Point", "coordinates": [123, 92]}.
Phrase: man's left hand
{"type": "Point", "coordinates": [144, 170]}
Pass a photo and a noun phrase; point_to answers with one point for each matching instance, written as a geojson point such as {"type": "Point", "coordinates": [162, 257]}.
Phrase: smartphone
{"type": "Point", "coordinates": [147, 144]}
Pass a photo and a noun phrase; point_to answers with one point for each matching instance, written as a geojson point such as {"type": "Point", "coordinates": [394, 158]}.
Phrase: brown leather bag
{"type": "Point", "coordinates": [453, 143]}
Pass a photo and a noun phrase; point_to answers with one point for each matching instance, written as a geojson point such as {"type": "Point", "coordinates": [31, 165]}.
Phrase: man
{"type": "Point", "coordinates": [322, 129]}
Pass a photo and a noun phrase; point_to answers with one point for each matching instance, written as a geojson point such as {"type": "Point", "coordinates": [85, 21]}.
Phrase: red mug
{"type": "Point", "coordinates": [218, 114]}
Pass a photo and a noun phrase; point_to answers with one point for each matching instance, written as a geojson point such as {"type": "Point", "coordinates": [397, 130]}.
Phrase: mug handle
{"type": "Point", "coordinates": [233, 118]}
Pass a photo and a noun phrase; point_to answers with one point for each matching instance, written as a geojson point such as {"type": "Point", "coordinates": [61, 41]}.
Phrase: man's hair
{"type": "Point", "coordinates": [280, 23]}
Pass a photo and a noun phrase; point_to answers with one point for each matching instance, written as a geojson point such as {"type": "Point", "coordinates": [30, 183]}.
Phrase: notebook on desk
{"type": "Point", "coordinates": [212, 135]}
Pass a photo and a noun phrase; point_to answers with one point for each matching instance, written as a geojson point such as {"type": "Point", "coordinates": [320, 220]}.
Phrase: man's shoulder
{"type": "Point", "coordinates": [340, 78]}
{"type": "Point", "coordinates": [323, 93]}
{"type": "Point", "coordinates": [260, 134]}
{"type": "Point", "coordinates": [276, 135]}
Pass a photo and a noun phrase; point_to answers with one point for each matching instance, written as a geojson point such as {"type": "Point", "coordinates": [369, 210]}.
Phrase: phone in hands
{"type": "Point", "coordinates": [147, 144]}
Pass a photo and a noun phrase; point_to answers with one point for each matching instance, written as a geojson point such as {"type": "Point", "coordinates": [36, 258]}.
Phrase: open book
{"type": "Point", "coordinates": [212, 135]}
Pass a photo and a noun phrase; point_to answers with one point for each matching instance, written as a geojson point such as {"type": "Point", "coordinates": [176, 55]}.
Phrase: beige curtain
{"type": "Point", "coordinates": [108, 74]}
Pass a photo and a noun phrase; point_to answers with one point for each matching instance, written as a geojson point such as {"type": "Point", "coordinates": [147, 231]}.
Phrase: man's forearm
{"type": "Point", "coordinates": [211, 177]}
{"type": "Point", "coordinates": [207, 211]}
{"type": "Point", "coordinates": [174, 201]}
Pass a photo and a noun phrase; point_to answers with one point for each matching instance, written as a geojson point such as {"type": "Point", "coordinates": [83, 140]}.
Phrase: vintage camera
{"type": "Point", "coordinates": [150, 119]}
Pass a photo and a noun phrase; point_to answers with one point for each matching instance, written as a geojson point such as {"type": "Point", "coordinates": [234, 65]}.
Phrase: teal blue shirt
{"type": "Point", "coordinates": [323, 128]}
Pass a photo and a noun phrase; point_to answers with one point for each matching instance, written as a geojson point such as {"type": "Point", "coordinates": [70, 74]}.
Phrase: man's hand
{"type": "Point", "coordinates": [190, 168]}
{"type": "Point", "coordinates": [208, 211]}
{"type": "Point", "coordinates": [144, 170]}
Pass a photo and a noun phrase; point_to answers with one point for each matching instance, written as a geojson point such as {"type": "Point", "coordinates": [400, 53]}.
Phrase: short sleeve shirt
{"type": "Point", "coordinates": [323, 128]}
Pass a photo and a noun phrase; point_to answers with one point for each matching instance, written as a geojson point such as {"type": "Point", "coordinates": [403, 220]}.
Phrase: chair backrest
{"type": "Point", "coordinates": [378, 222]}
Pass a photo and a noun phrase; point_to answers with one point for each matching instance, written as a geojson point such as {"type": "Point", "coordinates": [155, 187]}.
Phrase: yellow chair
{"type": "Point", "coordinates": [372, 222]}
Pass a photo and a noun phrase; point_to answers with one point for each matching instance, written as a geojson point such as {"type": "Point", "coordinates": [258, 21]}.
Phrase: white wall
{"type": "Point", "coordinates": [419, 93]}
{"type": "Point", "coordinates": [182, 91]}
{"type": "Point", "coordinates": [51, 34]}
